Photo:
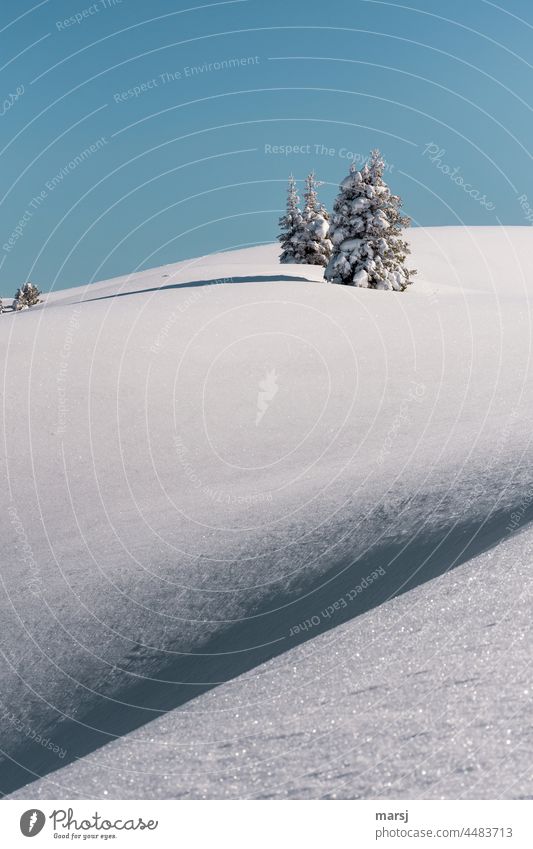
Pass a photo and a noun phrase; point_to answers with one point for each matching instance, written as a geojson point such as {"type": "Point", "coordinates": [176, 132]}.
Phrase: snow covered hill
{"type": "Point", "coordinates": [202, 460]}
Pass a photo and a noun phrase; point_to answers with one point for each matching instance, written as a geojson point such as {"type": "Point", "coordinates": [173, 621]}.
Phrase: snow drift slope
{"type": "Point", "coordinates": [199, 457]}
{"type": "Point", "coordinates": [427, 696]}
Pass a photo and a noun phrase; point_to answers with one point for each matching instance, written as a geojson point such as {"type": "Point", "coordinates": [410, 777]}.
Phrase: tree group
{"type": "Point", "coordinates": [304, 233]}
{"type": "Point", "coordinates": [26, 296]}
{"type": "Point", "coordinates": [363, 244]}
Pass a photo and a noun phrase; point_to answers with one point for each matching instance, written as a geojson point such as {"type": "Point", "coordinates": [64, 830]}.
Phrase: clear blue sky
{"type": "Point", "coordinates": [189, 166]}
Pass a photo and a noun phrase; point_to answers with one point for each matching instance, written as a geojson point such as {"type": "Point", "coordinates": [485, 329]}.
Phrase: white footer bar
{"type": "Point", "coordinates": [269, 825]}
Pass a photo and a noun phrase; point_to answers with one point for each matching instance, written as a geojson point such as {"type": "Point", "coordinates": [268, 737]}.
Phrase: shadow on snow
{"type": "Point", "coordinates": [406, 565]}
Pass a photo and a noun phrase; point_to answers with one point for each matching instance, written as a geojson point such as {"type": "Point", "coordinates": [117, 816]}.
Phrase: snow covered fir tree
{"type": "Point", "coordinates": [291, 224]}
{"type": "Point", "coordinates": [366, 232]}
{"type": "Point", "coordinates": [315, 245]}
{"type": "Point", "coordinates": [27, 296]}
{"type": "Point", "coordinates": [304, 237]}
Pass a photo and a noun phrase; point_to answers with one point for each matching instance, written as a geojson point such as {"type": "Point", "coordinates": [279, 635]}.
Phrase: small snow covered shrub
{"type": "Point", "coordinates": [290, 224]}
{"type": "Point", "coordinates": [304, 237]}
{"type": "Point", "coordinates": [366, 232]}
{"type": "Point", "coordinates": [27, 296]}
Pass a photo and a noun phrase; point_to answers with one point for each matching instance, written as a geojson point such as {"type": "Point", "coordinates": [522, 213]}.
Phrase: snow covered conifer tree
{"type": "Point", "coordinates": [313, 242]}
{"type": "Point", "coordinates": [27, 296]}
{"type": "Point", "coordinates": [366, 231]}
{"type": "Point", "coordinates": [304, 236]}
{"type": "Point", "coordinates": [291, 225]}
